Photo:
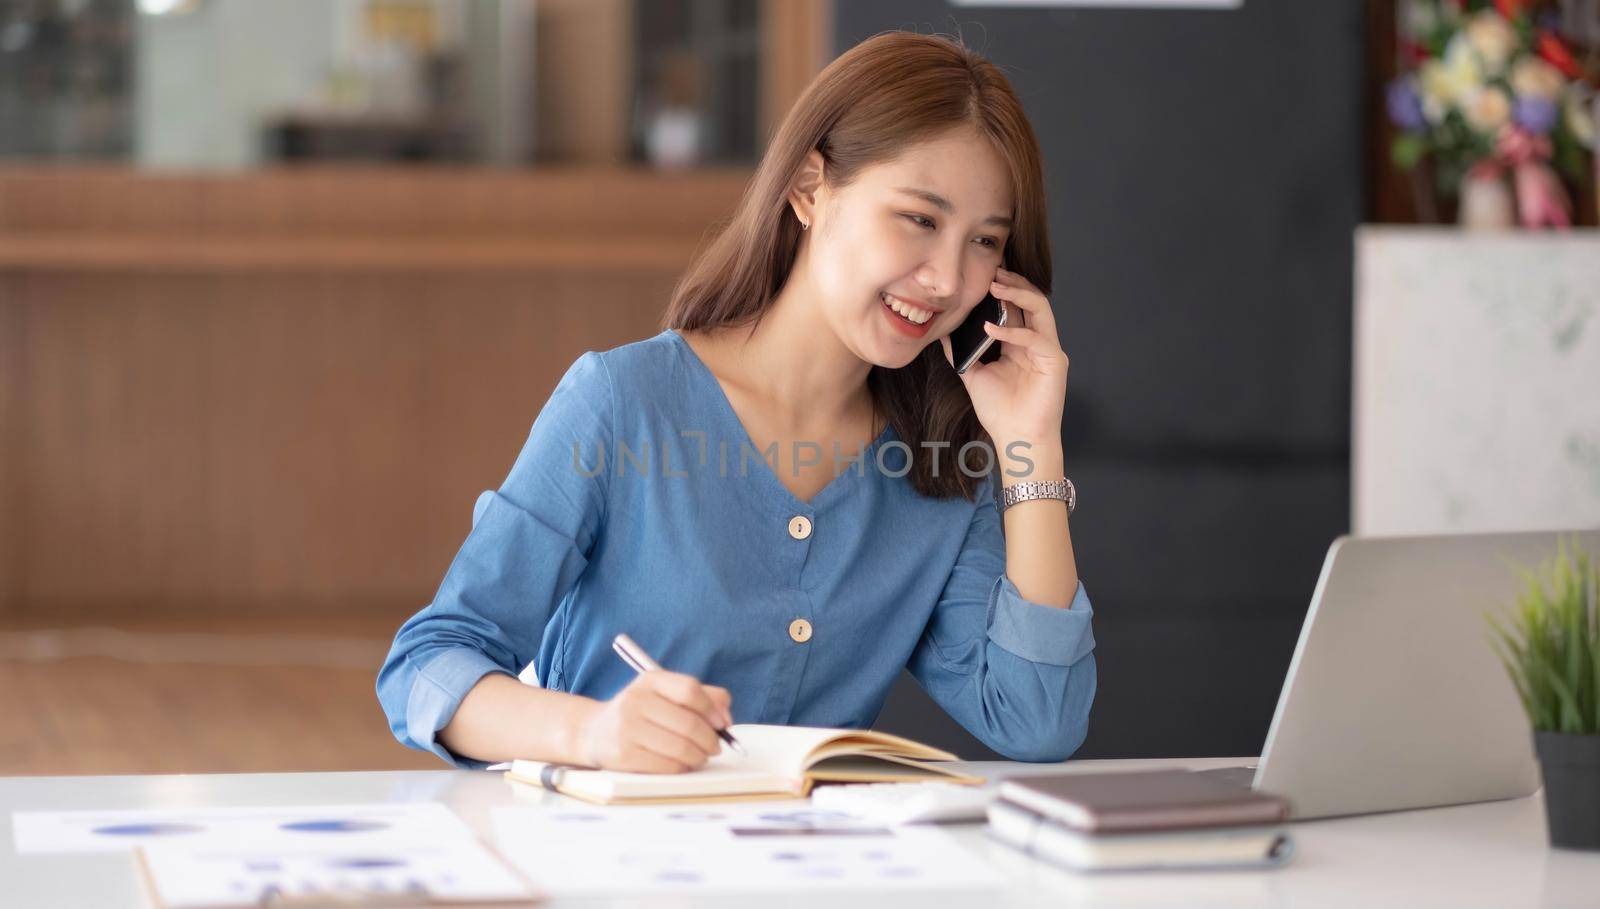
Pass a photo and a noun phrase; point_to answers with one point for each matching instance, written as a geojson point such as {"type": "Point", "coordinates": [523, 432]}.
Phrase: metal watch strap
{"type": "Point", "coordinates": [1040, 489]}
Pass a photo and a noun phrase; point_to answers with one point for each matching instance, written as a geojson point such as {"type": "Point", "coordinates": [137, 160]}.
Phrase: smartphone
{"type": "Point", "coordinates": [969, 343]}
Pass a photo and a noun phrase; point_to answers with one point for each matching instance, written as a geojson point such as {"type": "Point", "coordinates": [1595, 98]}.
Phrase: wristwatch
{"type": "Point", "coordinates": [1040, 489]}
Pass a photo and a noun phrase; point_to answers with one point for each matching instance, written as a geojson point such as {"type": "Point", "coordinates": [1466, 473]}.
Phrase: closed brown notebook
{"type": "Point", "coordinates": [1133, 802]}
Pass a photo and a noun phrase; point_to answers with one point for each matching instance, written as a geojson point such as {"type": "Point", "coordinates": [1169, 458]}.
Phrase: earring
{"type": "Point", "coordinates": [805, 225]}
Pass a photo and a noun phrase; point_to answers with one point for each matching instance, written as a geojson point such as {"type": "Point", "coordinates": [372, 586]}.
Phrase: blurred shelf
{"type": "Point", "coordinates": [418, 202]}
{"type": "Point", "coordinates": [203, 254]}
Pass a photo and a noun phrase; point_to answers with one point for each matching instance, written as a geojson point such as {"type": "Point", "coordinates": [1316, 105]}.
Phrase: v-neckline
{"type": "Point", "coordinates": [765, 468]}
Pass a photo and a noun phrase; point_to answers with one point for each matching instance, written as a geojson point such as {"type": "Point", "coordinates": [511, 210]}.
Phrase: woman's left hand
{"type": "Point", "coordinates": [1021, 396]}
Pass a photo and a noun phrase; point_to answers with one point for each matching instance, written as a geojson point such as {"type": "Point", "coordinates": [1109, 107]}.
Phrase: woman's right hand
{"type": "Point", "coordinates": [663, 722]}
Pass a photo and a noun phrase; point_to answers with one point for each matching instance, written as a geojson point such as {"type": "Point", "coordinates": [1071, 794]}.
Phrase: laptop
{"type": "Point", "coordinates": [1394, 698]}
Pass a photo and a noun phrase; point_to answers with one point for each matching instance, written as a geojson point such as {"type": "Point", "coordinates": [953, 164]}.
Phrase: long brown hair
{"type": "Point", "coordinates": [880, 97]}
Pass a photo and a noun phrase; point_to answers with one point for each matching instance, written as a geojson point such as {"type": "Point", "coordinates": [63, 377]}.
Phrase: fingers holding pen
{"type": "Point", "coordinates": [723, 699]}
{"type": "Point", "coordinates": [643, 728]}
{"type": "Point", "coordinates": [688, 725]}
{"type": "Point", "coordinates": [660, 716]}
{"type": "Point", "coordinates": [711, 702]}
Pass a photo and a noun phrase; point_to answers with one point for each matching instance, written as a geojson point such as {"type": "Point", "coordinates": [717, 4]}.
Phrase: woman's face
{"type": "Point", "coordinates": [923, 233]}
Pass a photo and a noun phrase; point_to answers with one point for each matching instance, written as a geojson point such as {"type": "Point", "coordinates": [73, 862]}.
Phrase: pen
{"type": "Point", "coordinates": [634, 656]}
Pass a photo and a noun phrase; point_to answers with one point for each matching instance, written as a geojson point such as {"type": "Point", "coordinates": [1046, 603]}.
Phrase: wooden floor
{"type": "Point", "coordinates": [196, 697]}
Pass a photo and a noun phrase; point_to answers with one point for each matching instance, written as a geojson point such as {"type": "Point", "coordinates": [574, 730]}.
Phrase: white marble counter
{"type": "Point", "coordinates": [1476, 400]}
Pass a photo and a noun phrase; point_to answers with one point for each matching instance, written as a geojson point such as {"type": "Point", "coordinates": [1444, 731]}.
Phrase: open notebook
{"type": "Point", "coordinates": [783, 762]}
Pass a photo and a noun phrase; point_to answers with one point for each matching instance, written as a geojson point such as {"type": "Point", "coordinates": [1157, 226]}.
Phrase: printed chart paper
{"type": "Point", "coordinates": [588, 851]}
{"type": "Point", "coordinates": [455, 871]}
{"type": "Point", "coordinates": [314, 827]}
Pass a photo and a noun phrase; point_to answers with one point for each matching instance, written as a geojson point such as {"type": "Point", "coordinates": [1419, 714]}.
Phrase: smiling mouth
{"type": "Point", "coordinates": [911, 314]}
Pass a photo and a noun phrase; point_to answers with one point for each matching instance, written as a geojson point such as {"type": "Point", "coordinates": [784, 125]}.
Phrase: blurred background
{"type": "Point", "coordinates": [283, 284]}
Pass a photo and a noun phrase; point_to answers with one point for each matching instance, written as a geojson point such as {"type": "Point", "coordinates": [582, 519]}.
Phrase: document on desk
{"type": "Point", "coordinates": [220, 877]}
{"type": "Point", "coordinates": [296, 827]}
{"type": "Point", "coordinates": [591, 851]}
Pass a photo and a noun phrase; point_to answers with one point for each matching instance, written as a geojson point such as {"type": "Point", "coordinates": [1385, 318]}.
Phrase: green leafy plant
{"type": "Point", "coordinates": [1550, 643]}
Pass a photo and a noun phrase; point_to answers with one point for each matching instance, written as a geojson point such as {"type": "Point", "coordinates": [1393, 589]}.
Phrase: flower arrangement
{"type": "Point", "coordinates": [1489, 89]}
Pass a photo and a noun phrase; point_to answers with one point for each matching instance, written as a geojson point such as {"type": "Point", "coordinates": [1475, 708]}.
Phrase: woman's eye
{"type": "Point", "coordinates": [925, 221]}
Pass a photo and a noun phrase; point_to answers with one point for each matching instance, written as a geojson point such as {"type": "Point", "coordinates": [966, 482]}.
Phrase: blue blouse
{"type": "Point", "coordinates": [639, 504]}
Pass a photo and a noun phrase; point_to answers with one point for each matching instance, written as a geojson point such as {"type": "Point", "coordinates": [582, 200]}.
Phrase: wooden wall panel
{"type": "Point", "coordinates": [294, 425]}
{"type": "Point", "coordinates": [797, 42]}
{"type": "Point", "coordinates": [266, 440]}
{"type": "Point", "coordinates": [584, 118]}
{"type": "Point", "coordinates": [10, 441]}
{"type": "Point", "coordinates": [263, 440]}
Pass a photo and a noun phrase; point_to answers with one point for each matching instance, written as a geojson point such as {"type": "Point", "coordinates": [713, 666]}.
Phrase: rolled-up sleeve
{"type": "Point", "coordinates": [529, 544]}
{"type": "Point", "coordinates": [1017, 674]}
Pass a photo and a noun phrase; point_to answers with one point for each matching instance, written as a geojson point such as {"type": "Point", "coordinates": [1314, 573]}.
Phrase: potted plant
{"type": "Point", "coordinates": [1490, 97]}
{"type": "Point", "coordinates": [1550, 645]}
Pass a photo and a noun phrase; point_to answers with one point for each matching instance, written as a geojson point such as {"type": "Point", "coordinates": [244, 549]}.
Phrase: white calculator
{"type": "Point", "coordinates": [905, 803]}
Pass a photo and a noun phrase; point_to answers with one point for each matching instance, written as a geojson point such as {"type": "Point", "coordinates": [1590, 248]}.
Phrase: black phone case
{"type": "Point", "coordinates": [969, 335]}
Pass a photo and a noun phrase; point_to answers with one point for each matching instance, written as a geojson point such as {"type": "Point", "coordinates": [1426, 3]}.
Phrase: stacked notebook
{"type": "Point", "coordinates": [1167, 819]}
{"type": "Point", "coordinates": [781, 762]}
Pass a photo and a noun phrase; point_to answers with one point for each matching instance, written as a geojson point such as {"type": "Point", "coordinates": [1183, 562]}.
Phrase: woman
{"type": "Point", "coordinates": [788, 495]}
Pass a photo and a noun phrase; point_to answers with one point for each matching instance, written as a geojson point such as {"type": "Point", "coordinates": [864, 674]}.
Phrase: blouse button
{"type": "Point", "coordinates": [799, 527]}
{"type": "Point", "coordinates": [800, 631]}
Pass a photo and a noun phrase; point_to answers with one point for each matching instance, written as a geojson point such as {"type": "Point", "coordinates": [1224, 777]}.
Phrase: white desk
{"type": "Point", "coordinates": [1493, 854]}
